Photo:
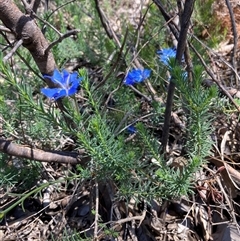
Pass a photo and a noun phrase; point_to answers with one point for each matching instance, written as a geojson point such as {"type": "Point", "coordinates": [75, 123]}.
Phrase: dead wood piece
{"type": "Point", "coordinates": [38, 155]}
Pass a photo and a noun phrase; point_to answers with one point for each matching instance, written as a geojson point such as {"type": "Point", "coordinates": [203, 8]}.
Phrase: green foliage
{"type": "Point", "coordinates": [207, 21]}
{"type": "Point", "coordinates": [110, 157]}
{"type": "Point", "coordinates": [135, 167]}
{"type": "Point", "coordinates": [22, 198]}
{"type": "Point", "coordinates": [23, 114]}
{"type": "Point", "coordinates": [197, 100]}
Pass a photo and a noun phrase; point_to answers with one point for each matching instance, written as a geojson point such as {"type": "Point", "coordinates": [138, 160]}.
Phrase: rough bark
{"type": "Point", "coordinates": [24, 27]}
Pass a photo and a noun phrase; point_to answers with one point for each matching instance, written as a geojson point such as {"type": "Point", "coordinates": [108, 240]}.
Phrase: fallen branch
{"type": "Point", "coordinates": [13, 149]}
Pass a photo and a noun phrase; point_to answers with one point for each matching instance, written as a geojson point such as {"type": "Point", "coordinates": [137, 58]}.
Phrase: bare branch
{"type": "Point", "coordinates": [104, 20]}
{"type": "Point", "coordinates": [46, 23]}
{"type": "Point", "coordinates": [182, 40]}
{"type": "Point", "coordinates": [39, 155]}
{"type": "Point", "coordinates": [61, 38]}
{"type": "Point", "coordinates": [235, 37]}
{"type": "Point", "coordinates": [4, 29]}
{"type": "Point", "coordinates": [14, 49]}
{"type": "Point", "coordinates": [32, 6]}
{"type": "Point", "coordinates": [35, 4]}
{"type": "Point", "coordinates": [25, 28]}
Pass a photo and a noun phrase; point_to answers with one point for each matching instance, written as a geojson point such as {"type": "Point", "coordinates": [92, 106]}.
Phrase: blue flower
{"type": "Point", "coordinates": [68, 84]}
{"type": "Point", "coordinates": [136, 76]}
{"type": "Point", "coordinates": [166, 54]}
{"type": "Point", "coordinates": [131, 129]}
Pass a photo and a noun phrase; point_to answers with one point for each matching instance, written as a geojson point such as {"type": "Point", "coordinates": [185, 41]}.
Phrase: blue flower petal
{"type": "Point", "coordinates": [57, 77]}
{"type": "Point", "coordinates": [66, 78]}
{"type": "Point", "coordinates": [68, 84]}
{"type": "Point", "coordinates": [51, 93]}
{"type": "Point", "coordinates": [166, 54]}
{"type": "Point", "coordinates": [73, 90]}
{"type": "Point", "coordinates": [74, 78]}
{"type": "Point", "coordinates": [136, 76]}
{"type": "Point", "coordinates": [75, 82]}
{"type": "Point", "coordinates": [132, 129]}
{"type": "Point", "coordinates": [60, 94]}
{"type": "Point", "coordinates": [146, 73]}
{"type": "Point", "coordinates": [129, 81]}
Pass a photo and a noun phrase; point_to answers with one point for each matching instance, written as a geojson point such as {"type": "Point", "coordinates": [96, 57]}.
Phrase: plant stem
{"type": "Point", "coordinates": [185, 22]}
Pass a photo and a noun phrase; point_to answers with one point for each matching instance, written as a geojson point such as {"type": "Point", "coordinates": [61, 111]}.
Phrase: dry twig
{"type": "Point", "coordinates": [235, 37]}
{"type": "Point", "coordinates": [96, 212]}
{"type": "Point", "coordinates": [14, 49]}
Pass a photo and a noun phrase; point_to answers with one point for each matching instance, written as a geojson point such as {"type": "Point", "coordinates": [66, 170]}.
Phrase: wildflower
{"type": "Point", "coordinates": [137, 76]}
{"type": "Point", "coordinates": [68, 84]}
{"type": "Point", "coordinates": [166, 54]}
{"type": "Point", "coordinates": [131, 129]}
